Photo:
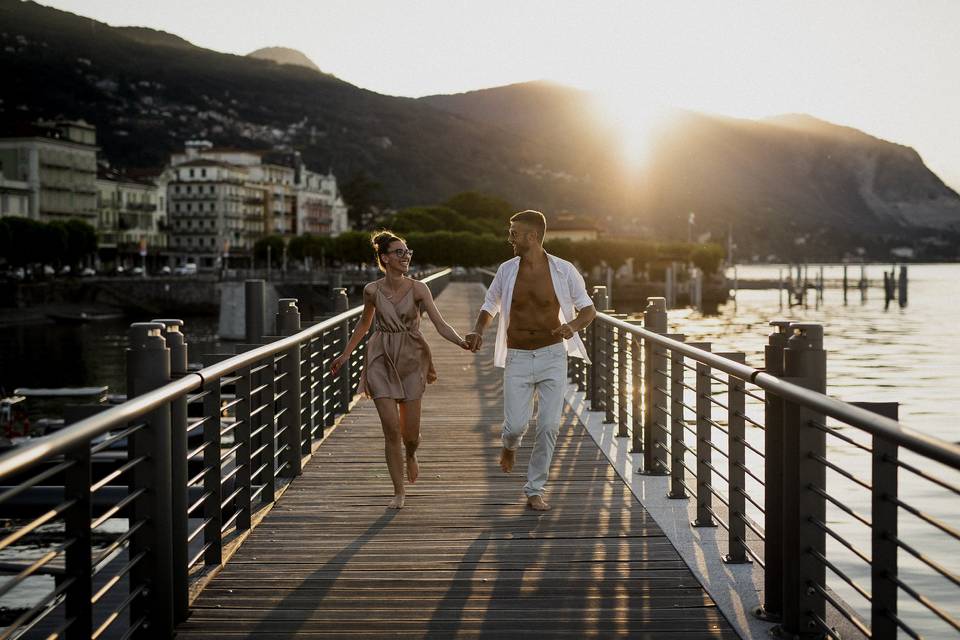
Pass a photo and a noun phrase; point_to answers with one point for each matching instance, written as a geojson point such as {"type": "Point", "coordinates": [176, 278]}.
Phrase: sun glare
{"type": "Point", "coordinates": [635, 118]}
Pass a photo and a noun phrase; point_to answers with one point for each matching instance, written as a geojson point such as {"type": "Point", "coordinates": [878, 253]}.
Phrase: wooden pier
{"type": "Point", "coordinates": [464, 558]}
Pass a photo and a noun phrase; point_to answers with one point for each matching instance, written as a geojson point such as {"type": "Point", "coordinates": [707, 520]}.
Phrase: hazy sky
{"type": "Point", "coordinates": [890, 68]}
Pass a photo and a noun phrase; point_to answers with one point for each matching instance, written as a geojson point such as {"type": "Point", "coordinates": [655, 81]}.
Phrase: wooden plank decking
{"type": "Point", "coordinates": [464, 558]}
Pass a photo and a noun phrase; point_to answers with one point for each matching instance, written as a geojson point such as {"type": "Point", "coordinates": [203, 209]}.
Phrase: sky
{"type": "Point", "coordinates": [890, 68]}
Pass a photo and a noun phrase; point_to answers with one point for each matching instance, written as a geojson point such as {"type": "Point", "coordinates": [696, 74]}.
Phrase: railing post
{"type": "Point", "coordinates": [883, 566]}
{"type": "Point", "coordinates": [804, 364]}
{"type": "Point", "coordinates": [622, 347]}
{"type": "Point", "coordinates": [736, 463]}
{"type": "Point", "coordinates": [254, 295]}
{"type": "Point", "coordinates": [678, 444]}
{"type": "Point", "coordinates": [148, 367]}
{"type": "Point", "coordinates": [78, 561]}
{"type": "Point", "coordinates": [595, 332]}
{"type": "Point", "coordinates": [655, 384]}
{"type": "Point", "coordinates": [609, 369]}
{"type": "Point", "coordinates": [174, 337]}
{"type": "Point", "coordinates": [637, 407]}
{"type": "Point", "coordinates": [242, 434]}
{"type": "Point", "coordinates": [772, 608]}
{"type": "Point", "coordinates": [341, 304]}
{"type": "Point", "coordinates": [288, 323]}
{"type": "Point", "coordinates": [704, 406]}
{"type": "Point", "coordinates": [212, 464]}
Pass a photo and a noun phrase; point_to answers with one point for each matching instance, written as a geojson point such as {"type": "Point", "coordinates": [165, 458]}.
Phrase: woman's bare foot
{"type": "Point", "coordinates": [396, 503]}
{"type": "Point", "coordinates": [507, 458]}
{"type": "Point", "coordinates": [537, 504]}
{"type": "Point", "coordinates": [413, 468]}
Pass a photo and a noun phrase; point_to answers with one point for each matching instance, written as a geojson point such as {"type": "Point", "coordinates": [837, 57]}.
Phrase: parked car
{"type": "Point", "coordinates": [165, 270]}
{"type": "Point", "coordinates": [137, 271]}
{"type": "Point", "coordinates": [65, 270]}
{"type": "Point", "coordinates": [48, 270]}
{"type": "Point", "coordinates": [87, 272]}
{"type": "Point", "coordinates": [188, 269]}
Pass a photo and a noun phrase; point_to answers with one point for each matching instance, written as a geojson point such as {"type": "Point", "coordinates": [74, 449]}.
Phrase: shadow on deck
{"type": "Point", "coordinates": [464, 558]}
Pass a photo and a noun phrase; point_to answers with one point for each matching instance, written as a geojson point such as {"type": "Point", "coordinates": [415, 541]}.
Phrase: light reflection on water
{"type": "Point", "coordinates": [907, 355]}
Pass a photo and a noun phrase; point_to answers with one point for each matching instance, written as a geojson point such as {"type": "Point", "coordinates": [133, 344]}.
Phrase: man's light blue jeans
{"type": "Point", "coordinates": [540, 372]}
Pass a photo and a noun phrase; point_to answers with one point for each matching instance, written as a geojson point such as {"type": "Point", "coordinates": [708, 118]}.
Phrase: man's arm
{"type": "Point", "coordinates": [586, 312]}
{"type": "Point", "coordinates": [584, 317]}
{"type": "Point", "coordinates": [491, 306]}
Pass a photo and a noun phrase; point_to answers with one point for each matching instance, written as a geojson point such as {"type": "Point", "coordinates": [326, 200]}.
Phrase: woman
{"type": "Point", "coordinates": [398, 364]}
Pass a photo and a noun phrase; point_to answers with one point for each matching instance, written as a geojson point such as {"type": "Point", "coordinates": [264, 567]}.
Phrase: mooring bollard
{"type": "Point", "coordinates": [288, 323]}
{"type": "Point", "coordinates": [340, 304]}
{"type": "Point", "coordinates": [254, 295]}
{"type": "Point", "coordinates": [804, 483]}
{"type": "Point", "coordinates": [148, 367]}
{"type": "Point", "coordinates": [773, 478]}
{"type": "Point", "coordinates": [178, 466]}
{"type": "Point", "coordinates": [655, 396]}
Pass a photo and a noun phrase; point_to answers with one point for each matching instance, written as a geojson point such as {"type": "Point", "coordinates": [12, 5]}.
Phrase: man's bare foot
{"type": "Point", "coordinates": [413, 468]}
{"type": "Point", "coordinates": [507, 458]}
{"type": "Point", "coordinates": [396, 503]}
{"type": "Point", "coordinates": [537, 504]}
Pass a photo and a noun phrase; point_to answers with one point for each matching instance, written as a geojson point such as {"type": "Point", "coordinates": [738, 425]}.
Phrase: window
{"type": "Point", "coordinates": [191, 173]}
{"type": "Point", "coordinates": [203, 173]}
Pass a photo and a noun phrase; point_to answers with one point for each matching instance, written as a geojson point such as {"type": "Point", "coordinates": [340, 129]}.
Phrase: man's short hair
{"type": "Point", "coordinates": [533, 218]}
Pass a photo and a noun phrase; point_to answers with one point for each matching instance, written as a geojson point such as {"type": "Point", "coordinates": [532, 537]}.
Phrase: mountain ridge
{"type": "Point", "coordinates": [793, 181]}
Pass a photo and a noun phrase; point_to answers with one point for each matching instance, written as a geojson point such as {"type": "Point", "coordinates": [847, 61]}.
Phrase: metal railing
{"type": "Point", "coordinates": [749, 446]}
{"type": "Point", "coordinates": [134, 507]}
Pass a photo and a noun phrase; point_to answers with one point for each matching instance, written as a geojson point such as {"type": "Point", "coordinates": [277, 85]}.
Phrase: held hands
{"type": "Point", "coordinates": [473, 341]}
{"type": "Point", "coordinates": [564, 331]}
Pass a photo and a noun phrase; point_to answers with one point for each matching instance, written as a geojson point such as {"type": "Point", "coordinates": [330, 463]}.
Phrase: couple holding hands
{"type": "Point", "coordinates": [542, 302]}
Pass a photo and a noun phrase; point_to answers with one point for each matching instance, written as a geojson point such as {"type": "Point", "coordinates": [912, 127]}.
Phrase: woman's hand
{"type": "Point", "coordinates": [337, 363]}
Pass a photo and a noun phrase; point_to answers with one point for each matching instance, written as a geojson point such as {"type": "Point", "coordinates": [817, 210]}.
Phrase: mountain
{"type": "Point", "coordinates": [283, 55]}
{"type": "Point", "coordinates": [793, 185]}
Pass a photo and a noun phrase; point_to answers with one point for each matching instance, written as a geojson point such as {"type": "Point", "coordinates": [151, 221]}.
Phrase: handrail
{"type": "Point", "coordinates": [875, 424]}
{"type": "Point", "coordinates": [34, 451]}
{"type": "Point", "coordinates": [796, 563]}
{"type": "Point", "coordinates": [284, 399]}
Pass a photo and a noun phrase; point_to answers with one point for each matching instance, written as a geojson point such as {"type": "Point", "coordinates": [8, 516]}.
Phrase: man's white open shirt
{"type": "Point", "coordinates": [571, 294]}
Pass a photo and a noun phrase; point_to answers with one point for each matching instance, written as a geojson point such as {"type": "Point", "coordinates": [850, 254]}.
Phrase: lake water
{"type": "Point", "coordinates": [907, 355]}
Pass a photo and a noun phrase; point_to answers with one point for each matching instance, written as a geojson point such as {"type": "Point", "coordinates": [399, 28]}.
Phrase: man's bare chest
{"type": "Point", "coordinates": [534, 290]}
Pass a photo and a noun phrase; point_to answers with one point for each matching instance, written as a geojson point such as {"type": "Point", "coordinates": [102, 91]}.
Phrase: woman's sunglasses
{"type": "Point", "coordinates": [402, 253]}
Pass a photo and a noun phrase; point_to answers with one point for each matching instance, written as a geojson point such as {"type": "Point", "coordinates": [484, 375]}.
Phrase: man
{"type": "Point", "coordinates": [536, 294]}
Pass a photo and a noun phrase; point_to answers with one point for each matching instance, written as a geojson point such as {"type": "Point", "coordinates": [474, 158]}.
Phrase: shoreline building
{"type": "Point", "coordinates": [132, 216]}
{"type": "Point", "coordinates": [221, 201]}
{"type": "Point", "coordinates": [57, 163]}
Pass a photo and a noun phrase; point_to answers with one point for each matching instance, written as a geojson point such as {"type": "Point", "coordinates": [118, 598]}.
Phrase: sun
{"type": "Point", "coordinates": [636, 118]}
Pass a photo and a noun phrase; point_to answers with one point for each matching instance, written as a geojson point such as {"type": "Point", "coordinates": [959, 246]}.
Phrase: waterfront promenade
{"type": "Point", "coordinates": [464, 558]}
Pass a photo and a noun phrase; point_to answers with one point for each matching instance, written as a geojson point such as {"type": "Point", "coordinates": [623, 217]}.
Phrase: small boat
{"type": "Point", "coordinates": [83, 317]}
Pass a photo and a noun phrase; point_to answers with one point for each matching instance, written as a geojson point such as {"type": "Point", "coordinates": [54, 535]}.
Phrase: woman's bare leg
{"type": "Point", "coordinates": [393, 447]}
{"type": "Point", "coordinates": [410, 432]}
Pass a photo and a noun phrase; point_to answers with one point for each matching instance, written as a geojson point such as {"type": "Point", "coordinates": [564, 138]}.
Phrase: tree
{"type": "Point", "coordinates": [354, 247]}
{"type": "Point", "coordinates": [707, 257]}
{"type": "Point", "coordinates": [475, 205]}
{"type": "Point", "coordinates": [364, 197]}
{"type": "Point", "coordinates": [276, 245]}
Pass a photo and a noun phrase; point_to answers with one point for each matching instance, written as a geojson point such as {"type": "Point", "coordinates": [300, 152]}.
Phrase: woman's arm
{"type": "Point", "coordinates": [425, 297]}
{"type": "Point", "coordinates": [361, 329]}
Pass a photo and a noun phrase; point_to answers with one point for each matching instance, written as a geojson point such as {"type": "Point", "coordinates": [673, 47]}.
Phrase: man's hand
{"type": "Point", "coordinates": [474, 340]}
{"type": "Point", "coordinates": [563, 331]}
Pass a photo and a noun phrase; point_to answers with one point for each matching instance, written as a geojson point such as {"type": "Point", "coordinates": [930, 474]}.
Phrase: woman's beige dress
{"type": "Point", "coordinates": [398, 364]}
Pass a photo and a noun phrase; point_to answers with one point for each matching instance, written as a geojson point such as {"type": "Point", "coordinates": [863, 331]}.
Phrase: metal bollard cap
{"type": "Point", "coordinates": [287, 304]}
{"type": "Point", "coordinates": [806, 335]}
{"type": "Point", "coordinates": [170, 325]}
{"type": "Point", "coordinates": [656, 304]}
{"type": "Point", "coordinates": [146, 336]}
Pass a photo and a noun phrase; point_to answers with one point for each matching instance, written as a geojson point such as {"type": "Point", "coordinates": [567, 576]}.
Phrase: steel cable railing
{"type": "Point", "coordinates": [133, 505]}
{"type": "Point", "coordinates": [683, 405]}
